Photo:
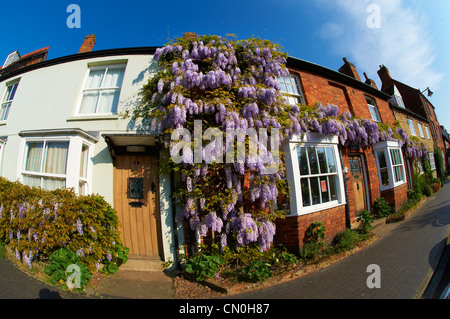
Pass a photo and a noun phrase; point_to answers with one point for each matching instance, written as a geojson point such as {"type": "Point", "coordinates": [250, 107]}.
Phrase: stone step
{"type": "Point", "coordinates": [143, 265]}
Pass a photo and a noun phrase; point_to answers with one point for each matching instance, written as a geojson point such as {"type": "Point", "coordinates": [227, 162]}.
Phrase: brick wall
{"type": "Point", "coordinates": [396, 196]}
{"type": "Point", "coordinates": [291, 230]}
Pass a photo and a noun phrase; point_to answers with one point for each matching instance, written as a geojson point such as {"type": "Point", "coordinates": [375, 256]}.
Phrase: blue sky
{"type": "Point", "coordinates": [412, 40]}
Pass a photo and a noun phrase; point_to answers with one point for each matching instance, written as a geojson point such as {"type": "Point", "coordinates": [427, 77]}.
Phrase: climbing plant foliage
{"type": "Point", "coordinates": [222, 84]}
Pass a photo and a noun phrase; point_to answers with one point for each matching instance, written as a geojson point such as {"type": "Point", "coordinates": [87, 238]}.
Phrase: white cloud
{"type": "Point", "coordinates": [402, 42]}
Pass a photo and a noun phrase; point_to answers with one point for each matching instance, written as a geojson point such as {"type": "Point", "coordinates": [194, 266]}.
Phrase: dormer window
{"type": "Point", "coordinates": [397, 98]}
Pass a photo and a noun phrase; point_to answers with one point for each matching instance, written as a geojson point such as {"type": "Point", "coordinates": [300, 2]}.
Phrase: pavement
{"type": "Point", "coordinates": [412, 257]}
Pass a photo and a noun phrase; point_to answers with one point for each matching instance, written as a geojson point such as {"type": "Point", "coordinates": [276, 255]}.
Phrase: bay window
{"type": "Point", "coordinates": [390, 164]}
{"type": "Point", "coordinates": [46, 164]}
{"type": "Point", "coordinates": [60, 160]}
{"type": "Point", "coordinates": [314, 174]}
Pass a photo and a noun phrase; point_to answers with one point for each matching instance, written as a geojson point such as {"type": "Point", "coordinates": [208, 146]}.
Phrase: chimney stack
{"type": "Point", "coordinates": [385, 77]}
{"type": "Point", "coordinates": [88, 43]}
{"type": "Point", "coordinates": [349, 69]}
{"type": "Point", "coordinates": [370, 81]}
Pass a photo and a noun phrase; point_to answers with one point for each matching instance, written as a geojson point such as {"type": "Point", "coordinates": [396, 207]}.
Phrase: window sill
{"type": "Point", "coordinates": [92, 118]}
{"type": "Point", "coordinates": [2, 123]}
{"type": "Point", "coordinates": [315, 209]}
{"type": "Point", "coordinates": [392, 186]}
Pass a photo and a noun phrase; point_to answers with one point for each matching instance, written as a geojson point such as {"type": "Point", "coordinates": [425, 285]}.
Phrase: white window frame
{"type": "Point", "coordinates": [373, 109]}
{"type": "Point", "coordinates": [420, 130]}
{"type": "Point", "coordinates": [428, 132]}
{"type": "Point", "coordinates": [4, 102]}
{"type": "Point", "coordinates": [294, 177]}
{"type": "Point", "coordinates": [412, 127]}
{"type": "Point", "coordinates": [386, 147]}
{"type": "Point", "coordinates": [103, 66]}
{"type": "Point", "coordinates": [72, 175]}
{"type": "Point", "coordinates": [300, 96]}
{"type": "Point", "coordinates": [432, 161]}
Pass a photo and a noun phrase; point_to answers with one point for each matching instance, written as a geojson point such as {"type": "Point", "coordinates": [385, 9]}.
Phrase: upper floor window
{"type": "Point", "coordinates": [373, 109]}
{"type": "Point", "coordinates": [102, 90]}
{"type": "Point", "coordinates": [428, 132]}
{"type": "Point", "coordinates": [8, 97]}
{"type": "Point", "coordinates": [290, 86]}
{"type": "Point", "coordinates": [411, 127]}
{"type": "Point", "coordinates": [420, 130]}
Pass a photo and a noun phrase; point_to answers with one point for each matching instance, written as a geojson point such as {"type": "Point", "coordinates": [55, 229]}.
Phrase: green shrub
{"type": "Point", "coordinates": [203, 266]}
{"type": "Point", "coordinates": [64, 264]}
{"type": "Point", "coordinates": [365, 219]}
{"type": "Point", "coordinates": [315, 232]}
{"type": "Point", "coordinates": [258, 270]}
{"type": "Point", "coordinates": [311, 250]}
{"type": "Point", "coordinates": [2, 249]}
{"type": "Point", "coordinates": [35, 223]}
{"type": "Point", "coordinates": [345, 240]}
{"type": "Point", "coordinates": [381, 208]}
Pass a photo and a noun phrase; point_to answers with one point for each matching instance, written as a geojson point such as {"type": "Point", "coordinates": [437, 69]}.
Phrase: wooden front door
{"type": "Point", "coordinates": [136, 200]}
{"type": "Point", "coordinates": [358, 183]}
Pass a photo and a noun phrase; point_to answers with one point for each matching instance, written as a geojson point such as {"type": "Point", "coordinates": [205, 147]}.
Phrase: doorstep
{"type": "Point", "coordinates": [143, 265]}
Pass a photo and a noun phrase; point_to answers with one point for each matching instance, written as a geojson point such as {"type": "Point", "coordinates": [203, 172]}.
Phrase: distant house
{"type": "Point", "coordinates": [416, 114]}
{"type": "Point", "coordinates": [335, 196]}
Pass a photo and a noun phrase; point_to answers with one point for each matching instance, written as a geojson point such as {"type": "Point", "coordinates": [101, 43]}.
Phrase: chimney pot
{"type": "Point", "coordinates": [88, 43]}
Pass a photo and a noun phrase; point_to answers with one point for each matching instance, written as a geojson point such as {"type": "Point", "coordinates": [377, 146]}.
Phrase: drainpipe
{"type": "Point", "coordinates": [347, 205]}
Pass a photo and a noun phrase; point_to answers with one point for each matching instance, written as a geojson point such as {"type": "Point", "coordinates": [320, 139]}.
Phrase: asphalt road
{"type": "Point", "coordinates": [406, 258]}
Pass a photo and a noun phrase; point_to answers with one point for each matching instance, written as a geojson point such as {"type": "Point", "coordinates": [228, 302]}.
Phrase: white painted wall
{"type": "Point", "coordinates": [48, 98]}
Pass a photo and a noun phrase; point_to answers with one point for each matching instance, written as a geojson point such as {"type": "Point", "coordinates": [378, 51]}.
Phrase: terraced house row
{"type": "Point", "coordinates": [60, 126]}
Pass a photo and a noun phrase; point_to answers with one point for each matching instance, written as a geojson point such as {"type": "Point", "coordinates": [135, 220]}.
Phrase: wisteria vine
{"type": "Point", "coordinates": [232, 84]}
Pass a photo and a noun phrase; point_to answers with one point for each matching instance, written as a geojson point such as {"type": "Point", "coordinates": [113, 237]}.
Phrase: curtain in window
{"type": "Point", "coordinates": [34, 156]}
{"type": "Point", "coordinates": [56, 157]}
{"type": "Point", "coordinates": [104, 100]}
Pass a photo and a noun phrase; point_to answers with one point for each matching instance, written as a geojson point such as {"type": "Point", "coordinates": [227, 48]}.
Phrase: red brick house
{"type": "Point", "coordinates": [415, 101]}
{"type": "Point", "coordinates": [335, 197]}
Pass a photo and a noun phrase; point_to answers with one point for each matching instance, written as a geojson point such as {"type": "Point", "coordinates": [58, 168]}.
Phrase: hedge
{"type": "Point", "coordinates": [34, 223]}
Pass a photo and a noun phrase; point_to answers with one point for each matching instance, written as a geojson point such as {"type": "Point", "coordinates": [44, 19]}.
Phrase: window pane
{"type": "Point", "coordinates": [34, 156]}
{"type": "Point", "coordinates": [303, 161]}
{"type": "Point", "coordinates": [32, 181]}
{"type": "Point", "coordinates": [315, 190]}
{"type": "Point", "coordinates": [381, 159]}
{"type": "Point", "coordinates": [56, 159]}
{"type": "Point", "coordinates": [305, 192]}
{"type": "Point", "coordinates": [95, 79]}
{"type": "Point", "coordinates": [398, 173]}
{"type": "Point", "coordinates": [82, 190]}
{"type": "Point", "coordinates": [313, 163]}
{"type": "Point", "coordinates": [331, 160]}
{"type": "Point", "coordinates": [325, 189]}
{"type": "Point", "coordinates": [50, 183]}
{"type": "Point", "coordinates": [384, 177]}
{"type": "Point", "coordinates": [84, 161]}
{"type": "Point", "coordinates": [333, 187]}
{"type": "Point", "coordinates": [322, 160]}
{"type": "Point", "coordinates": [114, 78]}
{"type": "Point", "coordinates": [109, 100]}
{"type": "Point", "coordinates": [4, 111]}
{"type": "Point", "coordinates": [89, 102]}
